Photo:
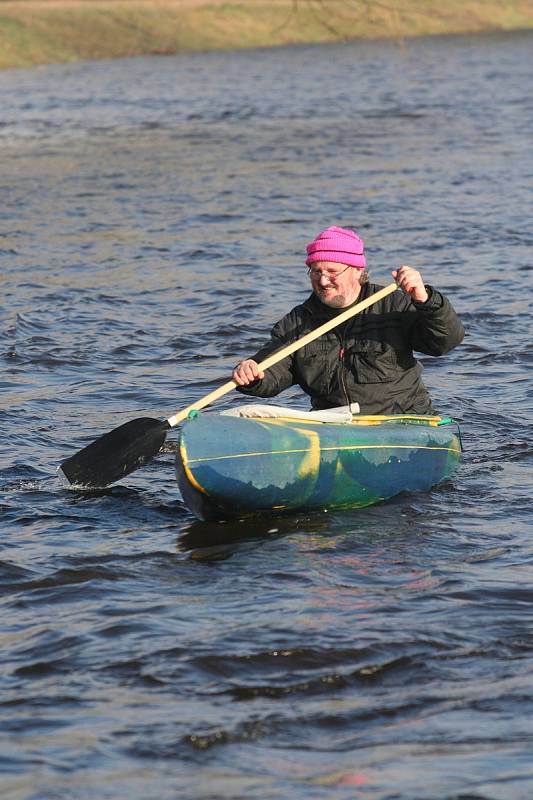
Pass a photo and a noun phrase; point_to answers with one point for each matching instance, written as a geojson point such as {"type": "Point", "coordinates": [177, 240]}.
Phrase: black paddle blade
{"type": "Point", "coordinates": [116, 454]}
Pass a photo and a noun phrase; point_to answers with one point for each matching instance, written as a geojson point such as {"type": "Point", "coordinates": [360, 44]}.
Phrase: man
{"type": "Point", "coordinates": [368, 359]}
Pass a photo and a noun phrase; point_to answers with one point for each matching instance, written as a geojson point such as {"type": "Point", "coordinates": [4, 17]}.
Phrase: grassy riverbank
{"type": "Point", "coordinates": [43, 31]}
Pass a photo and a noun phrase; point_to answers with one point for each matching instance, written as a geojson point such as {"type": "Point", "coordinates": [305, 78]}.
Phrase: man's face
{"type": "Point", "coordinates": [335, 285]}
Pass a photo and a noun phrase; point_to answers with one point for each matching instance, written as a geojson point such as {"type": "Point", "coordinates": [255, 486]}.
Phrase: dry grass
{"type": "Point", "coordinates": [42, 31]}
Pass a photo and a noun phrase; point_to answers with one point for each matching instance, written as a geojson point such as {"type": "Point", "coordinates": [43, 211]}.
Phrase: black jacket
{"type": "Point", "coordinates": [368, 359]}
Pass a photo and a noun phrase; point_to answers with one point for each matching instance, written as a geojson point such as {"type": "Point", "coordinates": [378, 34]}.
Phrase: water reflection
{"type": "Point", "coordinates": [206, 539]}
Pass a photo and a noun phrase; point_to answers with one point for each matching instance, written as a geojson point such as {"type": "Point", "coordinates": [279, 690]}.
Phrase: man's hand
{"type": "Point", "coordinates": [246, 372]}
{"type": "Point", "coordinates": [410, 281]}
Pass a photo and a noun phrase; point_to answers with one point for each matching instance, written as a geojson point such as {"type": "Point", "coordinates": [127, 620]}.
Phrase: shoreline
{"type": "Point", "coordinates": [37, 32]}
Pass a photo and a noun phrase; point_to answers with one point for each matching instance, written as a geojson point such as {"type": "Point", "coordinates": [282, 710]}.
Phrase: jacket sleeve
{"type": "Point", "coordinates": [279, 376]}
{"type": "Point", "coordinates": [437, 329]}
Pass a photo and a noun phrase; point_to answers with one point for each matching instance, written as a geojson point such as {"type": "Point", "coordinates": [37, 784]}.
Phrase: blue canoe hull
{"type": "Point", "coordinates": [231, 466]}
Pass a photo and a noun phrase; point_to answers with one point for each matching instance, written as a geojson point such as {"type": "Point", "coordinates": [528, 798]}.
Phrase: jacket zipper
{"type": "Point", "coordinates": [343, 372]}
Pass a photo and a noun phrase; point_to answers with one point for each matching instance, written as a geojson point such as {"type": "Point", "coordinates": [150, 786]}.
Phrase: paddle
{"type": "Point", "coordinates": [128, 447]}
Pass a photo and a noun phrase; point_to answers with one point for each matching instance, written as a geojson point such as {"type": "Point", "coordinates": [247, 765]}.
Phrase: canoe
{"type": "Point", "coordinates": [229, 466]}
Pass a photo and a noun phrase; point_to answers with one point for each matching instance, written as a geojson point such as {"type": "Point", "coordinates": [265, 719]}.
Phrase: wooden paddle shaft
{"type": "Point", "coordinates": [285, 351]}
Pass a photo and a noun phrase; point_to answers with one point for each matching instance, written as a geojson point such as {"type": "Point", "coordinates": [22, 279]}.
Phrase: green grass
{"type": "Point", "coordinates": [43, 31]}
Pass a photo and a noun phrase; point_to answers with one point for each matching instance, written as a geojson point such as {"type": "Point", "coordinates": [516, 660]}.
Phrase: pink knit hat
{"type": "Point", "coordinates": [337, 244]}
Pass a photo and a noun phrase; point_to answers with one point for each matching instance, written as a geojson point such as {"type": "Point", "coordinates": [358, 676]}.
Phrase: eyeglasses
{"type": "Point", "coordinates": [316, 274]}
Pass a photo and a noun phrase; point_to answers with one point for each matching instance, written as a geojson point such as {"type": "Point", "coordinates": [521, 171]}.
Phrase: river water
{"type": "Point", "coordinates": [153, 222]}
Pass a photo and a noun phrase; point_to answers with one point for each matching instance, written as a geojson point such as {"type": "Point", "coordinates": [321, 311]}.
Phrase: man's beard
{"type": "Point", "coordinates": [339, 301]}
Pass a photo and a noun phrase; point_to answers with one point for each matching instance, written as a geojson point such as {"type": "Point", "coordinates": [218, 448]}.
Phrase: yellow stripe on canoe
{"type": "Point", "coordinates": [322, 450]}
{"type": "Point", "coordinates": [190, 477]}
